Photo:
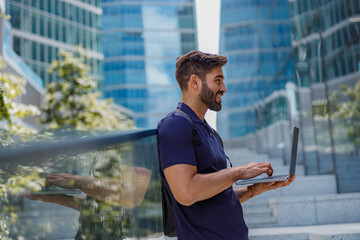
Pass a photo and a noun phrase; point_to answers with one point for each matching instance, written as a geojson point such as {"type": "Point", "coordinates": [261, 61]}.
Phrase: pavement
{"type": "Point", "coordinates": [347, 231]}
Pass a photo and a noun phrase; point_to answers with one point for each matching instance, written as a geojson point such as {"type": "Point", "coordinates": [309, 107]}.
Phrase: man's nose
{"type": "Point", "coordinates": [223, 88]}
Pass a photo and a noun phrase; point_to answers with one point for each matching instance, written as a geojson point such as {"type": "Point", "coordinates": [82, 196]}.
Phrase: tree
{"type": "Point", "coordinates": [72, 101]}
{"type": "Point", "coordinates": [26, 179]}
{"type": "Point", "coordinates": [12, 87]}
{"type": "Point", "coordinates": [345, 107]}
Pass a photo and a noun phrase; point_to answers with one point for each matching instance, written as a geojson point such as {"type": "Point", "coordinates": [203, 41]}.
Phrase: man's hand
{"type": "Point", "coordinates": [246, 193]}
{"type": "Point", "coordinates": [259, 188]}
{"type": "Point", "coordinates": [254, 169]}
{"type": "Point", "coordinates": [63, 180]}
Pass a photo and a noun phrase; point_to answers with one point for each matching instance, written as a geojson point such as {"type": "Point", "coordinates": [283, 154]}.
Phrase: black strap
{"type": "Point", "coordinates": [167, 212]}
{"type": "Point", "coordinates": [196, 138]}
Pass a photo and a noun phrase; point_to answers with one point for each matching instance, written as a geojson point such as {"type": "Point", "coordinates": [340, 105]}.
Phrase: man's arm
{"type": "Point", "coordinates": [189, 187]}
{"type": "Point", "coordinates": [61, 199]}
{"type": "Point", "coordinates": [248, 192]}
{"type": "Point", "coordinates": [127, 191]}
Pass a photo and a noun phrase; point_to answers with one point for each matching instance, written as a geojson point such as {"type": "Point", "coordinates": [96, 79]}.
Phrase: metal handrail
{"type": "Point", "coordinates": [67, 147]}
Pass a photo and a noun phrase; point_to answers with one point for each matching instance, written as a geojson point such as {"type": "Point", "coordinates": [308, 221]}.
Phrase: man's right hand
{"type": "Point", "coordinates": [63, 180]}
{"type": "Point", "coordinates": [254, 169]}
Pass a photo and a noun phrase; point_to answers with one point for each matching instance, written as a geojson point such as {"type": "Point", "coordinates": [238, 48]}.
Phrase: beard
{"type": "Point", "coordinates": [209, 98]}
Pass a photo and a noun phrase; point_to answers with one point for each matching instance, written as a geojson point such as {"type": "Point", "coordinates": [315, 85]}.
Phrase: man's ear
{"type": "Point", "coordinates": [194, 82]}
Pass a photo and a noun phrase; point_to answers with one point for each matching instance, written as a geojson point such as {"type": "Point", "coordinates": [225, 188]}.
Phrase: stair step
{"type": "Point", "coordinates": [349, 231]}
{"type": "Point", "coordinates": [260, 221]}
{"type": "Point", "coordinates": [298, 236]}
{"type": "Point", "coordinates": [258, 212]}
{"type": "Point", "coordinates": [256, 202]}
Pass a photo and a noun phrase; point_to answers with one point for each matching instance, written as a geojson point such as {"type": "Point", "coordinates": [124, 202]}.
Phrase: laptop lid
{"type": "Point", "coordinates": [294, 150]}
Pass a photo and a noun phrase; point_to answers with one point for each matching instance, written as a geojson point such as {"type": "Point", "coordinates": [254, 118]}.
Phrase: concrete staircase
{"type": "Point", "coordinates": [309, 201]}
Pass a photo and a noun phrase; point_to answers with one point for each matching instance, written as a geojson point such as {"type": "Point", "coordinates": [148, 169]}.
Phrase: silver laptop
{"type": "Point", "coordinates": [55, 190]}
{"type": "Point", "coordinates": [278, 178]}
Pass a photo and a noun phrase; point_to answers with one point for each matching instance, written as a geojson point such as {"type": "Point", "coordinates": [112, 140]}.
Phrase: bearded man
{"type": "Point", "coordinates": [195, 172]}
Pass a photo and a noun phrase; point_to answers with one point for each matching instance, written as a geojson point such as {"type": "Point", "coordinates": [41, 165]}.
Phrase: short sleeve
{"type": "Point", "coordinates": [175, 144]}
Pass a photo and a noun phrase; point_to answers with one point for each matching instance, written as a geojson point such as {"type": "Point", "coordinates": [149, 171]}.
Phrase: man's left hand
{"type": "Point", "coordinates": [259, 188]}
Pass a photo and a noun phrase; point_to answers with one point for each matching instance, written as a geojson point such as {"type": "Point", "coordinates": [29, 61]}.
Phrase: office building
{"type": "Point", "coordinates": [16, 66]}
{"type": "Point", "coordinates": [40, 27]}
{"type": "Point", "coordinates": [285, 59]}
{"type": "Point", "coordinates": [326, 47]}
{"type": "Point", "coordinates": [142, 40]}
{"type": "Point", "coordinates": [259, 107]}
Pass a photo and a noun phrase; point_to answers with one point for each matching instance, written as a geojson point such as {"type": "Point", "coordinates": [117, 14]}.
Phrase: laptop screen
{"type": "Point", "coordinates": [294, 150]}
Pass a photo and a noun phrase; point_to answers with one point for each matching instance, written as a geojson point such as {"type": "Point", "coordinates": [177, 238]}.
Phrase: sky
{"type": "Point", "coordinates": [208, 25]}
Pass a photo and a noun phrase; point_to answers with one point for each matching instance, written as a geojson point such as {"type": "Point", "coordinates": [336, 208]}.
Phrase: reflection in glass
{"type": "Point", "coordinates": [119, 198]}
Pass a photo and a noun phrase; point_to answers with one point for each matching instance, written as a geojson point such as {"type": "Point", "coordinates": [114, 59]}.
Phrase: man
{"type": "Point", "coordinates": [204, 202]}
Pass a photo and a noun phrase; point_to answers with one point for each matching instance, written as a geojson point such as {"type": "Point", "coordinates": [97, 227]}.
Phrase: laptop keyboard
{"type": "Point", "coordinates": [279, 176]}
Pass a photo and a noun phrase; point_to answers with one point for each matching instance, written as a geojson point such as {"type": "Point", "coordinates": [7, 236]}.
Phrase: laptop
{"type": "Point", "coordinates": [278, 178]}
{"type": "Point", "coordinates": [55, 190]}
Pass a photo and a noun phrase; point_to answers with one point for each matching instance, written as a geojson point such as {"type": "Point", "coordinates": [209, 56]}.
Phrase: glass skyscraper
{"type": "Point", "coordinates": [141, 41]}
{"type": "Point", "coordinates": [287, 58]}
{"type": "Point", "coordinates": [260, 106]}
{"type": "Point", "coordinates": [41, 27]}
{"type": "Point", "coordinates": [327, 54]}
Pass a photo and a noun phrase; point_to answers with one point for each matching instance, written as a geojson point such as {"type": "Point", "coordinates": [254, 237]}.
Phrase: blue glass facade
{"type": "Point", "coordinates": [327, 54]}
{"type": "Point", "coordinates": [41, 27]}
{"type": "Point", "coordinates": [255, 36]}
{"type": "Point", "coordinates": [141, 42]}
{"type": "Point", "coordinates": [287, 58]}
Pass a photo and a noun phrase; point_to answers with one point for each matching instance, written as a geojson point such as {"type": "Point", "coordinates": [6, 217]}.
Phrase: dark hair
{"type": "Point", "coordinates": [198, 63]}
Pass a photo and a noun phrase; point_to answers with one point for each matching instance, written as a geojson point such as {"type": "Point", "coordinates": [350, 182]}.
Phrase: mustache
{"type": "Point", "coordinates": [219, 92]}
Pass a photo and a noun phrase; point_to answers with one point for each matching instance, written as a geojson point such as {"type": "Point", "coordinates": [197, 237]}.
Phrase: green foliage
{"type": "Point", "coordinates": [12, 87]}
{"type": "Point", "coordinates": [72, 102]}
{"type": "Point", "coordinates": [345, 107]}
{"type": "Point", "coordinates": [26, 179]}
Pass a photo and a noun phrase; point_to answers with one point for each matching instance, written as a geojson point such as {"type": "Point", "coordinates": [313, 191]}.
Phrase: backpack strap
{"type": "Point", "coordinates": [195, 137]}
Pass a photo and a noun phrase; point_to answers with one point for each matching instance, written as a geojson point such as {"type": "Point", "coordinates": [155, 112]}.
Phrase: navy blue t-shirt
{"type": "Point", "coordinates": [219, 217]}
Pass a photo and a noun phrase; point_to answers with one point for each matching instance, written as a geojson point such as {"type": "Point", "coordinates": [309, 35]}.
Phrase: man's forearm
{"type": "Point", "coordinates": [189, 187]}
{"type": "Point", "coordinates": [127, 191]}
{"type": "Point", "coordinates": [204, 186]}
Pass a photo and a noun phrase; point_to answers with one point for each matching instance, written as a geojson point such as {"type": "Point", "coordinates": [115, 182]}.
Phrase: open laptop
{"type": "Point", "coordinates": [278, 178]}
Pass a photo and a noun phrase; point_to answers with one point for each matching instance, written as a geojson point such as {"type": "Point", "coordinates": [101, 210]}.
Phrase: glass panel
{"type": "Point", "coordinates": [15, 13]}
{"type": "Point", "coordinates": [42, 26]}
{"type": "Point", "coordinates": [42, 52]}
{"type": "Point", "coordinates": [17, 45]}
{"type": "Point", "coordinates": [110, 192]}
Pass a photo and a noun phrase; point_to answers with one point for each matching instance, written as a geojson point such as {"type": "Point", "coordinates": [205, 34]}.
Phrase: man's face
{"type": "Point", "coordinates": [213, 89]}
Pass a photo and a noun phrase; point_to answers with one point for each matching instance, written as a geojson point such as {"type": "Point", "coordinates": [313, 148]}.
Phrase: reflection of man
{"type": "Point", "coordinates": [204, 202]}
{"type": "Point", "coordinates": [128, 191]}
{"type": "Point", "coordinates": [101, 215]}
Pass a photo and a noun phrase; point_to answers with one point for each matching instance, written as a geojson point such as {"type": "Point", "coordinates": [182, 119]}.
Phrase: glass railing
{"type": "Point", "coordinates": [82, 186]}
